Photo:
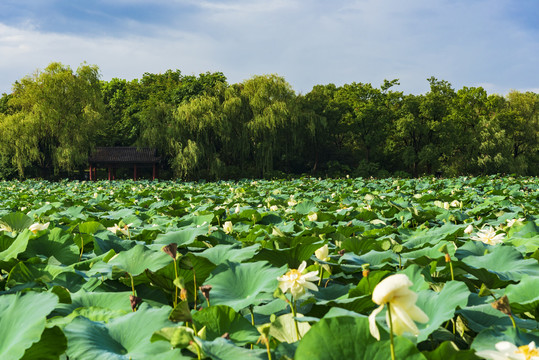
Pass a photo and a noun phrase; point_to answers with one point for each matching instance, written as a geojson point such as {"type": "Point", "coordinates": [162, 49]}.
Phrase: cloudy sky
{"type": "Point", "coordinates": [488, 43]}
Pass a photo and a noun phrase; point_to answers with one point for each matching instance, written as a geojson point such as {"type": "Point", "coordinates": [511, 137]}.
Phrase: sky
{"type": "Point", "coordinates": [488, 43]}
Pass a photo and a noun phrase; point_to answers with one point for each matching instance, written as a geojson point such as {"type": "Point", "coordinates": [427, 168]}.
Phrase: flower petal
{"type": "Point", "coordinates": [391, 285]}
{"type": "Point", "coordinates": [372, 322]}
{"type": "Point", "coordinates": [402, 322]}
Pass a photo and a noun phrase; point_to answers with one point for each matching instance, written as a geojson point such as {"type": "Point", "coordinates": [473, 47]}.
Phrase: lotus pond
{"type": "Point", "coordinates": [171, 270]}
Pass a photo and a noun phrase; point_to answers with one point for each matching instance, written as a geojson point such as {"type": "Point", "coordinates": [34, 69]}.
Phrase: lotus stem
{"type": "Point", "coordinates": [198, 349]}
{"type": "Point", "coordinates": [175, 286]}
{"type": "Point", "coordinates": [513, 321]}
{"type": "Point", "coordinates": [252, 320]}
{"type": "Point", "coordinates": [294, 314]}
{"type": "Point", "coordinates": [132, 284]}
{"type": "Point", "coordinates": [81, 247]}
{"type": "Point", "coordinates": [196, 289]}
{"type": "Point", "coordinates": [391, 340]}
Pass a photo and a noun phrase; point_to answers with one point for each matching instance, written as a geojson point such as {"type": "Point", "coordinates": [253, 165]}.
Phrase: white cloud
{"type": "Point", "coordinates": [309, 42]}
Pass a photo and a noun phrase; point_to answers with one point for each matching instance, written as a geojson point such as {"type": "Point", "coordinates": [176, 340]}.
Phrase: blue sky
{"type": "Point", "coordinates": [489, 43]}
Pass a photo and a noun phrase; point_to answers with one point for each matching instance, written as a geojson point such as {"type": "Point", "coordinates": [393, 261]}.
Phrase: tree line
{"type": "Point", "coordinates": [205, 128]}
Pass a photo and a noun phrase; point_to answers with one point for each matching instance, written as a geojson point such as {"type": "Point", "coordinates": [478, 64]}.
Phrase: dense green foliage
{"type": "Point", "coordinates": [204, 127]}
{"type": "Point", "coordinates": [73, 254]}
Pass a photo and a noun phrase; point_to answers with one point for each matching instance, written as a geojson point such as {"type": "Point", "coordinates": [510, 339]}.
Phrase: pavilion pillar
{"type": "Point", "coordinates": [154, 172]}
{"type": "Point", "coordinates": [90, 172]}
{"type": "Point", "coordinates": [135, 172]}
{"type": "Point", "coordinates": [109, 173]}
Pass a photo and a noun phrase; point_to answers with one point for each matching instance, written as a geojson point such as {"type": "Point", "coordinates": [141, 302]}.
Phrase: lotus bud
{"type": "Point", "coordinates": [228, 227]}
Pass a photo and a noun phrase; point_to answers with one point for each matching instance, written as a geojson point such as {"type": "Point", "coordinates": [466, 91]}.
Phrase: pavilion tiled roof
{"type": "Point", "coordinates": [123, 155]}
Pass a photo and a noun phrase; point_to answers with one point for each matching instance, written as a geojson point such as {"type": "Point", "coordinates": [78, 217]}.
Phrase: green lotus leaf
{"type": "Point", "coordinates": [182, 237]}
{"type": "Point", "coordinates": [487, 338]}
{"type": "Point", "coordinates": [241, 285]}
{"type": "Point", "coordinates": [125, 337]}
{"type": "Point", "coordinates": [17, 246]}
{"type": "Point", "coordinates": [56, 243]}
{"type": "Point", "coordinates": [524, 295]}
{"type": "Point", "coordinates": [349, 338]}
{"type": "Point", "coordinates": [358, 304]}
{"type": "Point", "coordinates": [414, 239]}
{"type": "Point", "coordinates": [524, 236]}
{"type": "Point", "coordinates": [284, 329]}
{"type": "Point", "coordinates": [441, 306]}
{"type": "Point", "coordinates": [376, 259]}
{"type": "Point", "coordinates": [221, 319]}
{"type": "Point", "coordinates": [70, 215]}
{"type": "Point", "coordinates": [106, 241]}
{"type": "Point", "coordinates": [119, 214]}
{"type": "Point", "coordinates": [417, 276]}
{"type": "Point", "coordinates": [22, 321]}
{"type": "Point", "coordinates": [195, 220]}
{"type": "Point", "coordinates": [367, 284]}
{"type": "Point", "coordinates": [91, 227]}
{"type": "Point", "coordinates": [300, 250]}
{"type": "Point", "coordinates": [115, 301]}
{"type": "Point", "coordinates": [139, 258]}
{"type": "Point", "coordinates": [221, 253]}
{"type": "Point", "coordinates": [505, 262]}
{"type": "Point", "coordinates": [222, 349]}
{"type": "Point", "coordinates": [481, 317]}
{"type": "Point", "coordinates": [16, 222]}
{"type": "Point", "coordinates": [50, 346]}
{"type": "Point", "coordinates": [449, 351]}
{"type": "Point", "coordinates": [306, 207]}
{"type": "Point", "coordinates": [29, 272]}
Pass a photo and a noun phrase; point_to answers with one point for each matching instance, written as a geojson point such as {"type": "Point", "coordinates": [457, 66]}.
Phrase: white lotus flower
{"type": "Point", "coordinates": [322, 253]}
{"type": "Point", "coordinates": [292, 202]}
{"type": "Point", "coordinates": [38, 227]}
{"type": "Point", "coordinates": [394, 291]}
{"type": "Point", "coordinates": [274, 208]}
{"type": "Point", "coordinates": [446, 205]}
{"type": "Point", "coordinates": [124, 230]}
{"type": "Point", "coordinates": [228, 227]}
{"type": "Point", "coordinates": [312, 217]}
{"type": "Point", "coordinates": [455, 203]}
{"type": "Point", "coordinates": [511, 222]}
{"type": "Point", "coordinates": [469, 229]}
{"type": "Point", "coordinates": [508, 351]}
{"type": "Point", "coordinates": [488, 236]}
{"type": "Point", "coordinates": [297, 282]}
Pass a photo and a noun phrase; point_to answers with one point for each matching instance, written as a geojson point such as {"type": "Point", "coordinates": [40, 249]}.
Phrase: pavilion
{"type": "Point", "coordinates": [112, 158]}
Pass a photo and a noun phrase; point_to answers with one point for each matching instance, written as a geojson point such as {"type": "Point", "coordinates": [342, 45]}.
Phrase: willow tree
{"type": "Point", "coordinates": [57, 114]}
{"type": "Point", "coordinates": [197, 133]}
{"type": "Point", "coordinates": [236, 149]}
{"type": "Point", "coordinates": [272, 129]}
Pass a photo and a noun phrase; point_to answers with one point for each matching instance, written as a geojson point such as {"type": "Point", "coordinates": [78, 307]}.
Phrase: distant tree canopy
{"type": "Point", "coordinates": [204, 127]}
